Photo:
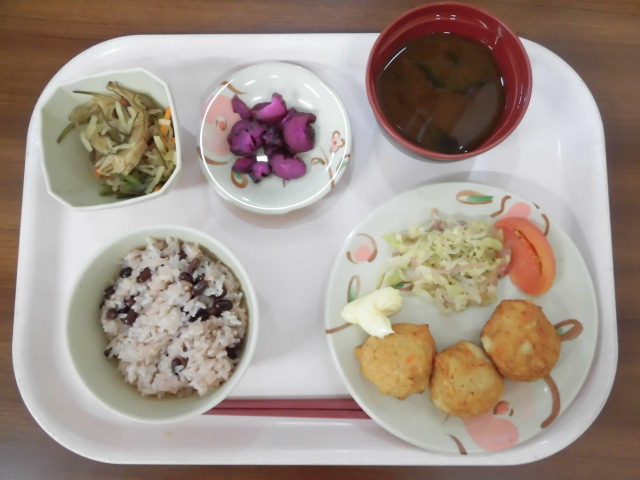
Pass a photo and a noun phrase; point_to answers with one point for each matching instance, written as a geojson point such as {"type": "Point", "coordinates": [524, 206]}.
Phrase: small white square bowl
{"type": "Point", "coordinates": [67, 169]}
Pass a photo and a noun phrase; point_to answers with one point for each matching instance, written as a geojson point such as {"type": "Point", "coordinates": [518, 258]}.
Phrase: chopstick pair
{"type": "Point", "coordinates": [287, 407]}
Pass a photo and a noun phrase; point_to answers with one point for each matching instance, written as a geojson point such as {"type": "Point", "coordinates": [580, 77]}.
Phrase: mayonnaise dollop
{"type": "Point", "coordinates": [371, 311]}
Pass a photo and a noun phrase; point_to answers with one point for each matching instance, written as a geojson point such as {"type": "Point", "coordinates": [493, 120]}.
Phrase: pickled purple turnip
{"type": "Point", "coordinates": [271, 130]}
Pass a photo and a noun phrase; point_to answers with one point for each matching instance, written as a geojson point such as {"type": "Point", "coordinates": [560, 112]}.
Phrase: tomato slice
{"type": "Point", "coordinates": [532, 267]}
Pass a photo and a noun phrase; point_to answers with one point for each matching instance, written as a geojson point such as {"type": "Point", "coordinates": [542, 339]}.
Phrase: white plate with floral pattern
{"type": "Point", "coordinates": [301, 89]}
{"type": "Point", "coordinates": [525, 408]}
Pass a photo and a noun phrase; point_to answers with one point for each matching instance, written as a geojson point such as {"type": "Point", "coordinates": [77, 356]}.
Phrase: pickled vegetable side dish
{"type": "Point", "coordinates": [268, 138]}
{"type": "Point", "coordinates": [130, 139]}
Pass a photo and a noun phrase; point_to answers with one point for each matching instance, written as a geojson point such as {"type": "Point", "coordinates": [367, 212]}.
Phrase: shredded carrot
{"type": "Point", "coordinates": [96, 174]}
{"type": "Point", "coordinates": [167, 116]}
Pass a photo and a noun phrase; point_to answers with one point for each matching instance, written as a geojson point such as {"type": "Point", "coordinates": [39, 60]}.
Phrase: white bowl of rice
{"type": "Point", "coordinates": [109, 139]}
{"type": "Point", "coordinates": [162, 324]}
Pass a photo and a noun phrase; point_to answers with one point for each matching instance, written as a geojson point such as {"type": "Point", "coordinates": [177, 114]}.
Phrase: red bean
{"type": "Point", "coordinates": [126, 272]}
{"type": "Point", "coordinates": [223, 293]}
{"type": "Point", "coordinates": [234, 350]}
{"type": "Point", "coordinates": [219, 306]}
{"type": "Point", "coordinates": [193, 265]}
{"type": "Point", "coordinates": [203, 314]}
{"type": "Point", "coordinates": [178, 362]}
{"type": "Point", "coordinates": [200, 286]}
{"type": "Point", "coordinates": [130, 318]}
{"type": "Point", "coordinates": [224, 304]}
{"type": "Point", "coordinates": [186, 277]}
{"type": "Point", "coordinates": [144, 275]}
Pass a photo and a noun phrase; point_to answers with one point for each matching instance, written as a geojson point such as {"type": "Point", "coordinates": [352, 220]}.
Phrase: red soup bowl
{"type": "Point", "coordinates": [513, 75]}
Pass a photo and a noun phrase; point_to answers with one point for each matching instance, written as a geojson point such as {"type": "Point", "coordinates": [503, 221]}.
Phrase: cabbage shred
{"type": "Point", "coordinates": [451, 262]}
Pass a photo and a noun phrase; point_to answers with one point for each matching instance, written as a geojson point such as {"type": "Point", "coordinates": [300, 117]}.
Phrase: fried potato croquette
{"type": "Point", "coordinates": [400, 363]}
{"type": "Point", "coordinates": [464, 382]}
{"type": "Point", "coordinates": [521, 341]}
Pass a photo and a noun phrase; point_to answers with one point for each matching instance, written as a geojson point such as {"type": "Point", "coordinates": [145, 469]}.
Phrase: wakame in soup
{"type": "Point", "coordinates": [442, 92]}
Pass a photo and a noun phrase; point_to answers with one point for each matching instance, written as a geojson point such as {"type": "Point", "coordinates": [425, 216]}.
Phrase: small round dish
{"type": "Point", "coordinates": [526, 408]}
{"type": "Point", "coordinates": [301, 89]}
{"type": "Point", "coordinates": [86, 340]}
{"type": "Point", "coordinates": [69, 174]}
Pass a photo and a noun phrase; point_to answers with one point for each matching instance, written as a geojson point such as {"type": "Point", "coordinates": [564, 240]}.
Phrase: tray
{"type": "Point", "coordinates": [555, 158]}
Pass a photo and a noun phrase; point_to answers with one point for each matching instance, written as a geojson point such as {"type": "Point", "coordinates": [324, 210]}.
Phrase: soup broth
{"type": "Point", "coordinates": [442, 92]}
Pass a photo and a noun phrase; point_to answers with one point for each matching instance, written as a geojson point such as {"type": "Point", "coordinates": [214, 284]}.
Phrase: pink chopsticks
{"type": "Point", "coordinates": [304, 407]}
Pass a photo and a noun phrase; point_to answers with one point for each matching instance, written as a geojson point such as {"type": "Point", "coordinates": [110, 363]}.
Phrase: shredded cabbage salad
{"type": "Point", "coordinates": [451, 262]}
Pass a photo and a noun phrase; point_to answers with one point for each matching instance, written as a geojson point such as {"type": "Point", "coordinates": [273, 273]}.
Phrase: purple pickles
{"type": "Point", "coordinates": [245, 137]}
{"type": "Point", "coordinates": [297, 132]}
{"type": "Point", "coordinates": [280, 132]}
{"type": "Point", "coordinates": [287, 167]}
{"type": "Point", "coordinates": [241, 108]}
{"type": "Point", "coordinates": [270, 112]}
{"type": "Point", "coordinates": [244, 164]}
{"type": "Point", "coordinates": [272, 138]}
{"type": "Point", "coordinates": [259, 170]}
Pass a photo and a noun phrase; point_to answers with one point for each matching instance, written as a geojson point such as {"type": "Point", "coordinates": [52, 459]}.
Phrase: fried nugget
{"type": "Point", "coordinates": [464, 382]}
{"type": "Point", "coordinates": [400, 363]}
{"type": "Point", "coordinates": [521, 341]}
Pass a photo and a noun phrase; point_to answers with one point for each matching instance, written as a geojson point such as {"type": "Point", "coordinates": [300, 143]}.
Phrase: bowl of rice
{"type": "Point", "coordinates": [162, 324]}
{"type": "Point", "coordinates": [109, 139]}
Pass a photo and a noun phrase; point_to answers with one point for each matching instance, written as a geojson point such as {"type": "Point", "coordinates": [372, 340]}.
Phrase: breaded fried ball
{"type": "Point", "coordinates": [464, 382]}
{"type": "Point", "coordinates": [399, 364]}
{"type": "Point", "coordinates": [521, 341]}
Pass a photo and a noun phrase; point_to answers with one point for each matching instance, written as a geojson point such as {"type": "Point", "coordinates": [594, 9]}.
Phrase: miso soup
{"type": "Point", "coordinates": [442, 92]}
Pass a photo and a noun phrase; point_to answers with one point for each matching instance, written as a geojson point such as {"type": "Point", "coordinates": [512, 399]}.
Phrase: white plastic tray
{"type": "Point", "coordinates": [555, 158]}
